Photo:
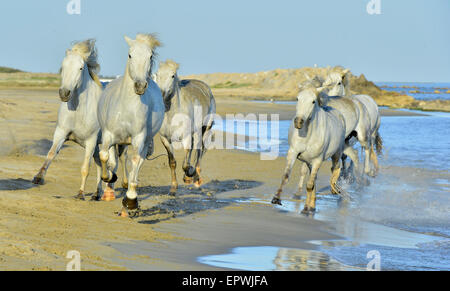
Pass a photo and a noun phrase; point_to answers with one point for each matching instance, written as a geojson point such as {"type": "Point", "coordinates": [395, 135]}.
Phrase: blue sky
{"type": "Point", "coordinates": [409, 41]}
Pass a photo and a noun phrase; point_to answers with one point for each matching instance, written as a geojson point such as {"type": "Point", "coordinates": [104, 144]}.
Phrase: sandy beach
{"type": "Point", "coordinates": [40, 224]}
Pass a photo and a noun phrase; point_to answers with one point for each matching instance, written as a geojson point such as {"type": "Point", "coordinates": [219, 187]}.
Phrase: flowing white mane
{"type": "Point", "coordinates": [87, 50]}
{"type": "Point", "coordinates": [149, 39]}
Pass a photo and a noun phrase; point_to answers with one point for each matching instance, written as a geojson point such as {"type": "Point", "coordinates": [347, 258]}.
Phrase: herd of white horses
{"type": "Point", "coordinates": [132, 109]}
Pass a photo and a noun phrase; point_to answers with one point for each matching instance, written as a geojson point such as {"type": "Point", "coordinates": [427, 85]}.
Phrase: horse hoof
{"type": "Point", "coordinates": [190, 171]}
{"type": "Point", "coordinates": [130, 213]}
{"type": "Point", "coordinates": [198, 183]}
{"type": "Point", "coordinates": [124, 185]}
{"type": "Point", "coordinates": [38, 181]}
{"type": "Point", "coordinates": [108, 195]}
{"type": "Point", "coordinates": [172, 193]}
{"type": "Point", "coordinates": [95, 197]}
{"type": "Point", "coordinates": [130, 204]}
{"type": "Point", "coordinates": [187, 180]}
{"type": "Point", "coordinates": [335, 191]}
{"type": "Point", "coordinates": [308, 211]}
{"type": "Point", "coordinates": [372, 174]}
{"type": "Point", "coordinates": [130, 208]}
{"type": "Point", "coordinates": [276, 201]}
{"type": "Point", "coordinates": [80, 196]}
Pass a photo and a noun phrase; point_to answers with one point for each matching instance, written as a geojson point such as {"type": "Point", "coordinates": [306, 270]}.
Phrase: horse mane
{"type": "Point", "coordinates": [170, 64]}
{"type": "Point", "coordinates": [87, 50]}
{"type": "Point", "coordinates": [152, 41]}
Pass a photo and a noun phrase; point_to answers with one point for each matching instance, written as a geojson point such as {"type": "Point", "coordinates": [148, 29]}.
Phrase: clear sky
{"type": "Point", "coordinates": [408, 41]}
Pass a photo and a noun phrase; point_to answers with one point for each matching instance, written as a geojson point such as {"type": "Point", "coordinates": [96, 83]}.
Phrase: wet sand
{"type": "Point", "coordinates": [39, 225]}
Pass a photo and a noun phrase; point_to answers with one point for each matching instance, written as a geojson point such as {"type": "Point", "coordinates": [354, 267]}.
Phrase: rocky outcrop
{"type": "Point", "coordinates": [282, 84]}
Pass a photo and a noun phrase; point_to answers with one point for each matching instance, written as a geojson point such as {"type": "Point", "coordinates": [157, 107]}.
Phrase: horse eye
{"type": "Point", "coordinates": [81, 69]}
{"type": "Point", "coordinates": [173, 76]}
{"type": "Point", "coordinates": [314, 102]}
{"type": "Point", "coordinates": [129, 56]}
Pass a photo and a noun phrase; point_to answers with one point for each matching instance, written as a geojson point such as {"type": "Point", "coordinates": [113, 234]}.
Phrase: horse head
{"type": "Point", "coordinates": [167, 78]}
{"type": "Point", "coordinates": [140, 60]}
{"type": "Point", "coordinates": [307, 105]}
{"type": "Point", "coordinates": [81, 58]}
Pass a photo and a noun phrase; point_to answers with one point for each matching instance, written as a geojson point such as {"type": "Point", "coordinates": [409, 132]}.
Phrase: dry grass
{"type": "Point", "coordinates": [22, 79]}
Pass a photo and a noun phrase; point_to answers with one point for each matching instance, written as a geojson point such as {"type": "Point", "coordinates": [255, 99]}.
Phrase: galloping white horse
{"type": "Point", "coordinates": [315, 135]}
{"type": "Point", "coordinates": [337, 84]}
{"type": "Point", "coordinates": [190, 107]}
{"type": "Point", "coordinates": [131, 111]}
{"type": "Point", "coordinates": [77, 116]}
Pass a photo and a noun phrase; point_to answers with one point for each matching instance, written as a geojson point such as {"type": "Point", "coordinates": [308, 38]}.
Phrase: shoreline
{"type": "Point", "coordinates": [41, 224]}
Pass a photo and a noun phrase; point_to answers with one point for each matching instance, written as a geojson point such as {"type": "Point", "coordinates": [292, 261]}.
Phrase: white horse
{"type": "Point", "coordinates": [356, 122]}
{"type": "Point", "coordinates": [337, 84]}
{"type": "Point", "coordinates": [190, 107]}
{"type": "Point", "coordinates": [77, 116]}
{"type": "Point", "coordinates": [315, 135]}
{"type": "Point", "coordinates": [131, 112]}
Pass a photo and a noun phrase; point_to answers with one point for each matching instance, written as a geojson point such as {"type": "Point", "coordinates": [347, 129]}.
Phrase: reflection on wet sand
{"type": "Point", "coordinates": [304, 260]}
{"type": "Point", "coordinates": [263, 258]}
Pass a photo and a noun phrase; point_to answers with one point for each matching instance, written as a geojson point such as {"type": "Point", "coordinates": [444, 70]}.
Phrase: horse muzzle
{"type": "Point", "coordinates": [298, 123]}
{"type": "Point", "coordinates": [64, 94]}
{"type": "Point", "coordinates": [140, 87]}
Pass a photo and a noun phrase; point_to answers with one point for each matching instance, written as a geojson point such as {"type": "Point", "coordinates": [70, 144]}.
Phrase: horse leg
{"type": "Point", "coordinates": [206, 137]}
{"type": "Point", "coordinates": [96, 196]}
{"type": "Point", "coordinates": [107, 143]}
{"type": "Point", "coordinates": [59, 138]}
{"type": "Point", "coordinates": [123, 159]}
{"type": "Point", "coordinates": [172, 165]}
{"type": "Point", "coordinates": [303, 173]}
{"type": "Point", "coordinates": [367, 150]}
{"type": "Point", "coordinates": [290, 161]}
{"type": "Point", "coordinates": [335, 173]}
{"type": "Point", "coordinates": [198, 146]}
{"type": "Point", "coordinates": [130, 202]}
{"type": "Point", "coordinates": [374, 159]}
{"type": "Point", "coordinates": [344, 166]}
{"type": "Point", "coordinates": [189, 171]}
{"type": "Point", "coordinates": [108, 195]}
{"type": "Point", "coordinates": [88, 153]}
{"type": "Point", "coordinates": [354, 168]}
{"type": "Point", "coordinates": [310, 205]}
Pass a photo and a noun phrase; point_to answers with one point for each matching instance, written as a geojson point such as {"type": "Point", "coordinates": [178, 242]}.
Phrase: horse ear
{"type": "Point", "coordinates": [345, 72]}
{"type": "Point", "coordinates": [320, 90]}
{"type": "Point", "coordinates": [128, 40]}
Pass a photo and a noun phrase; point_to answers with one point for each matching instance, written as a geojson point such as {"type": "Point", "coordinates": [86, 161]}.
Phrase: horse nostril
{"type": "Point", "coordinates": [140, 87]}
{"type": "Point", "coordinates": [298, 122]}
{"type": "Point", "coordinates": [64, 94]}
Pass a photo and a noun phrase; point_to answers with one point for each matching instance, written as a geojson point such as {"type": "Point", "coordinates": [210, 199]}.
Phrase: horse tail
{"type": "Point", "coordinates": [379, 143]}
